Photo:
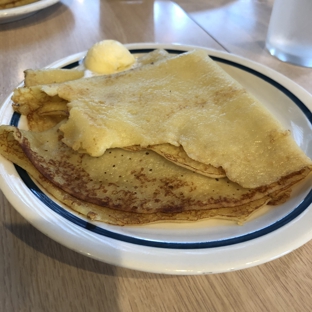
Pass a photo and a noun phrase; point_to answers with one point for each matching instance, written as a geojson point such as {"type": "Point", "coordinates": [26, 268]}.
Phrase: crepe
{"type": "Point", "coordinates": [50, 75]}
{"type": "Point", "coordinates": [177, 155]}
{"type": "Point", "coordinates": [185, 100]}
{"type": "Point", "coordinates": [141, 182]}
{"type": "Point", "coordinates": [34, 77]}
{"type": "Point", "coordinates": [42, 111]}
{"type": "Point", "coordinates": [10, 148]}
{"type": "Point", "coordinates": [155, 182]}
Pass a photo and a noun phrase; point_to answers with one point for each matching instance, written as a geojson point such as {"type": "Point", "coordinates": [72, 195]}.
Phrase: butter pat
{"type": "Point", "coordinates": [108, 57]}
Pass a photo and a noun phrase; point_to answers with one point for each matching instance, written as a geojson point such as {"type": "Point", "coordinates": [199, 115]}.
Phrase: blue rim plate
{"type": "Point", "coordinates": [208, 246]}
{"type": "Point", "coordinates": [23, 11]}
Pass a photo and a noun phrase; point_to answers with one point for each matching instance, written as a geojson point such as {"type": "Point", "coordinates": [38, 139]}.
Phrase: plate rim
{"type": "Point", "coordinates": [216, 268]}
{"type": "Point", "coordinates": [26, 9]}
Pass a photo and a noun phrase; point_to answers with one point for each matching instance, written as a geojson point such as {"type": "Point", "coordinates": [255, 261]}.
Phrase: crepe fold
{"type": "Point", "coordinates": [175, 138]}
{"type": "Point", "coordinates": [188, 101]}
{"type": "Point", "coordinates": [106, 189]}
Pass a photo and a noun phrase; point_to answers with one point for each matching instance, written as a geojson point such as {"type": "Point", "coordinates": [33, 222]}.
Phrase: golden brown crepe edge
{"type": "Point", "coordinates": [11, 150]}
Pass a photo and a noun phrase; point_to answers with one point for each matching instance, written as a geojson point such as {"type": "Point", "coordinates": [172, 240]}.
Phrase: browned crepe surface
{"type": "Point", "coordinates": [10, 149]}
{"type": "Point", "coordinates": [140, 181]}
{"type": "Point", "coordinates": [140, 184]}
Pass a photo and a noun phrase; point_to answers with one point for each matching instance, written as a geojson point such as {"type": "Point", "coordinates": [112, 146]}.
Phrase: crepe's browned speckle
{"type": "Point", "coordinates": [145, 183]}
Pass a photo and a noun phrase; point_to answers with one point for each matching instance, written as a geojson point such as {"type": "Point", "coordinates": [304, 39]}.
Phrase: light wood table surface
{"type": "Point", "coordinates": [38, 274]}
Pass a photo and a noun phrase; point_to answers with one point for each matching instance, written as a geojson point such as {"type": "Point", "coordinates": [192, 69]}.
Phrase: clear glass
{"type": "Point", "coordinates": [290, 31]}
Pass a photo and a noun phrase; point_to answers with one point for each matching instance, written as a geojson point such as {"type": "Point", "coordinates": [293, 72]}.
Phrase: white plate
{"type": "Point", "coordinates": [188, 248]}
{"type": "Point", "coordinates": [14, 14]}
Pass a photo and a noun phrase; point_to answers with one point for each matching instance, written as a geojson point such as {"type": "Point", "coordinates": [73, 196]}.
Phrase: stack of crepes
{"type": "Point", "coordinates": [173, 139]}
{"type": "Point", "coordinates": [7, 4]}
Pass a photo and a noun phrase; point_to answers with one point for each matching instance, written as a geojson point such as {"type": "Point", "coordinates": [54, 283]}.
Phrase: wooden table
{"type": "Point", "coordinates": [38, 274]}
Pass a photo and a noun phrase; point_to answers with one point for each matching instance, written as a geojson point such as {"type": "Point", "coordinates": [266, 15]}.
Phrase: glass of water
{"type": "Point", "coordinates": [289, 35]}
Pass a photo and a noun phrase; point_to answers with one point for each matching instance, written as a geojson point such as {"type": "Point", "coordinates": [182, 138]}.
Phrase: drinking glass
{"type": "Point", "coordinates": [289, 35]}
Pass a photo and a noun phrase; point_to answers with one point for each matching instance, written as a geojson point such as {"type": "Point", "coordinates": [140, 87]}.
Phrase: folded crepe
{"type": "Point", "coordinates": [116, 183]}
{"type": "Point", "coordinates": [44, 112]}
{"type": "Point", "coordinates": [188, 101]}
{"type": "Point", "coordinates": [174, 139]}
